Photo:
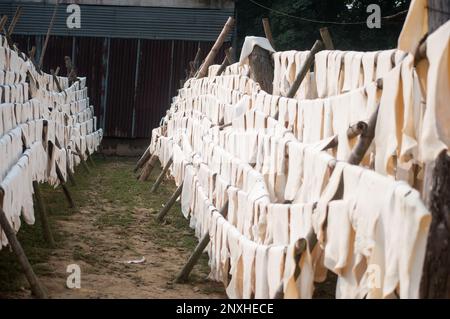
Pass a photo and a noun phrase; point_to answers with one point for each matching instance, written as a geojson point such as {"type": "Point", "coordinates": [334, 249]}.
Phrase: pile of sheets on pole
{"type": "Point", "coordinates": [282, 182]}
{"type": "Point", "coordinates": [40, 128]}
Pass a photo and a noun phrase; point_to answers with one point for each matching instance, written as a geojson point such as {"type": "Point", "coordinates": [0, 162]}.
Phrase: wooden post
{"type": "Point", "coordinates": [70, 174]}
{"type": "Point", "coordinates": [43, 215]}
{"type": "Point", "coordinates": [144, 158]}
{"type": "Point", "coordinates": [14, 21]}
{"type": "Point", "coordinates": [193, 259]}
{"type": "Point", "coordinates": [161, 176]}
{"type": "Point", "coordinates": [194, 65]}
{"type": "Point", "coordinates": [148, 168]}
{"type": "Point", "coordinates": [364, 141]}
{"type": "Point", "coordinates": [90, 160]}
{"type": "Point", "coordinates": [226, 62]}
{"type": "Point", "coordinates": [72, 72]}
{"type": "Point", "coordinates": [3, 21]}
{"type": "Point", "coordinates": [35, 285]}
{"type": "Point", "coordinates": [55, 78]}
{"type": "Point", "coordinates": [317, 47]}
{"type": "Point", "coordinates": [261, 68]}
{"type": "Point", "coordinates": [83, 162]}
{"type": "Point", "coordinates": [268, 31]}
{"type": "Point", "coordinates": [64, 187]}
{"type": "Point", "coordinates": [216, 47]}
{"type": "Point", "coordinates": [326, 38]}
{"type": "Point", "coordinates": [436, 271]}
{"type": "Point", "coordinates": [50, 27]}
{"type": "Point", "coordinates": [352, 132]}
{"type": "Point", "coordinates": [169, 204]}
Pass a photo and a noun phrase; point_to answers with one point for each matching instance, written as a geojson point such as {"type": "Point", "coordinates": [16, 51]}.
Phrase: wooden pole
{"type": "Point", "coordinates": [435, 281]}
{"type": "Point", "coordinates": [196, 63]}
{"type": "Point", "coordinates": [3, 21]}
{"type": "Point", "coordinates": [352, 132]}
{"type": "Point", "coordinates": [14, 21]}
{"type": "Point", "coordinates": [64, 187]}
{"type": "Point", "coordinates": [83, 162]}
{"type": "Point", "coordinates": [70, 174]}
{"type": "Point", "coordinates": [216, 47]}
{"type": "Point", "coordinates": [169, 204]}
{"type": "Point", "coordinates": [161, 176]}
{"type": "Point", "coordinates": [144, 158]}
{"type": "Point", "coordinates": [90, 160]}
{"type": "Point", "coordinates": [148, 168]}
{"type": "Point", "coordinates": [183, 276]}
{"type": "Point", "coordinates": [226, 62]}
{"type": "Point", "coordinates": [317, 47]}
{"type": "Point", "coordinates": [268, 31]}
{"type": "Point", "coordinates": [55, 78]}
{"type": "Point", "coordinates": [50, 27]}
{"type": "Point", "coordinates": [35, 285]}
{"type": "Point", "coordinates": [326, 38]}
{"type": "Point", "coordinates": [43, 215]}
{"type": "Point", "coordinates": [364, 141]}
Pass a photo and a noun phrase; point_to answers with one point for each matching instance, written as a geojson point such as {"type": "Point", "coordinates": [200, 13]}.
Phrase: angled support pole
{"type": "Point", "coordinates": [183, 276]}
{"type": "Point", "coordinates": [161, 176]}
{"type": "Point", "coordinates": [43, 215]}
{"type": "Point", "coordinates": [36, 287]}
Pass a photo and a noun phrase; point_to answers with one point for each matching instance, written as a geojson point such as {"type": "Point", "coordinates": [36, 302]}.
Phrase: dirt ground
{"type": "Point", "coordinates": [114, 222]}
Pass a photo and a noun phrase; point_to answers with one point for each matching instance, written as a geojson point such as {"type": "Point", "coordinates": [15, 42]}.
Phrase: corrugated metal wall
{"type": "Point", "coordinates": [132, 74]}
{"type": "Point", "coordinates": [122, 21]}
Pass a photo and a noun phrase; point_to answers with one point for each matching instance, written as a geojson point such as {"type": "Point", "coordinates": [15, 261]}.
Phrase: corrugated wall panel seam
{"type": "Point", "coordinates": [123, 22]}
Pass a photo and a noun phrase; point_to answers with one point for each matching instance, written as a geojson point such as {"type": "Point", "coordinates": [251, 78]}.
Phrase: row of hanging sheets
{"type": "Point", "coordinates": [253, 247]}
{"type": "Point", "coordinates": [183, 122]}
{"type": "Point", "coordinates": [39, 128]}
{"type": "Point", "coordinates": [361, 236]}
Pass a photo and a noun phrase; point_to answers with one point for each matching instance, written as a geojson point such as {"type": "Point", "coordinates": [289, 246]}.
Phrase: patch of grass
{"type": "Point", "coordinates": [111, 198]}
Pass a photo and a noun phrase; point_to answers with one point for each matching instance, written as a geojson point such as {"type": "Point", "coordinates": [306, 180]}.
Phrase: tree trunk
{"type": "Point", "coordinates": [261, 68]}
{"type": "Point", "coordinates": [436, 270]}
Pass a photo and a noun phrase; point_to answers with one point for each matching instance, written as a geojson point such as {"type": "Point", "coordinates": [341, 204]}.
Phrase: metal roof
{"type": "Point", "coordinates": [122, 21]}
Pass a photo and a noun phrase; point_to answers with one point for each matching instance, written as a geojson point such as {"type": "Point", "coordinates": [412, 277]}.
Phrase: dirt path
{"type": "Point", "coordinates": [113, 223]}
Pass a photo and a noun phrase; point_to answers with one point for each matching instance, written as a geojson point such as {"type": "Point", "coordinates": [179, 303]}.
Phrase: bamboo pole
{"type": "Point", "coordinates": [161, 176]}
{"type": "Point", "coordinates": [216, 47]}
{"type": "Point", "coordinates": [91, 160]}
{"type": "Point", "coordinates": [3, 21]}
{"type": "Point", "coordinates": [268, 31]}
{"type": "Point", "coordinates": [364, 141]}
{"type": "Point", "coordinates": [183, 276]}
{"type": "Point", "coordinates": [226, 62]}
{"type": "Point", "coordinates": [50, 27]}
{"type": "Point", "coordinates": [83, 162]}
{"type": "Point", "coordinates": [14, 21]}
{"type": "Point", "coordinates": [35, 285]}
{"type": "Point", "coordinates": [169, 204]}
{"type": "Point", "coordinates": [144, 158]}
{"type": "Point", "coordinates": [64, 187]}
{"type": "Point", "coordinates": [317, 47]}
{"type": "Point", "coordinates": [148, 168]}
{"type": "Point", "coordinates": [326, 38]}
{"type": "Point", "coordinates": [70, 174]}
{"type": "Point", "coordinates": [352, 132]}
{"type": "Point", "coordinates": [55, 78]}
{"type": "Point", "coordinates": [43, 215]}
